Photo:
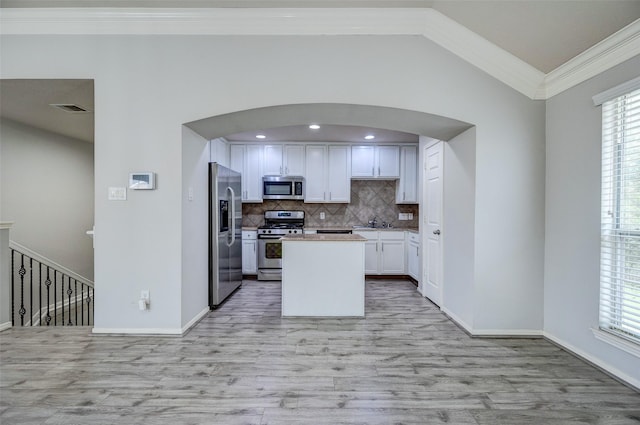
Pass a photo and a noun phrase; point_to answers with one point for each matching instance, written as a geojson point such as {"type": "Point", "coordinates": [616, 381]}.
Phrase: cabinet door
{"type": "Point", "coordinates": [407, 187]}
{"type": "Point", "coordinates": [362, 161]}
{"type": "Point", "coordinates": [236, 162]}
{"type": "Point", "coordinates": [392, 257]}
{"type": "Point", "coordinates": [338, 177]}
{"type": "Point", "coordinates": [413, 260]}
{"type": "Point", "coordinates": [388, 161]}
{"type": "Point", "coordinates": [249, 257]}
{"type": "Point", "coordinates": [273, 160]}
{"type": "Point", "coordinates": [294, 160]}
{"type": "Point", "coordinates": [252, 176]}
{"type": "Point", "coordinates": [371, 257]}
{"type": "Point", "coordinates": [315, 180]}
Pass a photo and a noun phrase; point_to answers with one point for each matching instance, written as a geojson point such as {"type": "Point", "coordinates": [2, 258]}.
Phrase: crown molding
{"type": "Point", "coordinates": [425, 22]}
{"type": "Point", "coordinates": [615, 49]}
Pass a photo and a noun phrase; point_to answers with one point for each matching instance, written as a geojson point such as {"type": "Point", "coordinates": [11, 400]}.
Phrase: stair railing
{"type": "Point", "coordinates": [45, 293]}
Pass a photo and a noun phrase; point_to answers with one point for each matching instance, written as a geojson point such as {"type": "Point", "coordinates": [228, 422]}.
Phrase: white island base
{"type": "Point", "coordinates": [323, 276]}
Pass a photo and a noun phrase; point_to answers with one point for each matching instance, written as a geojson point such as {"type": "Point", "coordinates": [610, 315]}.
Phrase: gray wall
{"type": "Point", "coordinates": [148, 86]}
{"type": "Point", "coordinates": [195, 225]}
{"type": "Point", "coordinates": [459, 181]}
{"type": "Point", "coordinates": [46, 188]}
{"type": "Point", "coordinates": [572, 253]}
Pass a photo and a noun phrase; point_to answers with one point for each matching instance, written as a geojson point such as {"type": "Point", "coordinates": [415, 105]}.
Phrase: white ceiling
{"type": "Point", "coordinates": [326, 133]}
{"type": "Point", "coordinates": [29, 102]}
{"type": "Point", "coordinates": [543, 33]}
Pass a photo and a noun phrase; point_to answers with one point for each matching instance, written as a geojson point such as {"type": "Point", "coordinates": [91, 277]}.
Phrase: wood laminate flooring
{"type": "Point", "coordinates": [405, 363]}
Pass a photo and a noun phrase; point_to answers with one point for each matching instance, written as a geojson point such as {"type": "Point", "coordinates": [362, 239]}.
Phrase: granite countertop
{"type": "Point", "coordinates": [331, 237]}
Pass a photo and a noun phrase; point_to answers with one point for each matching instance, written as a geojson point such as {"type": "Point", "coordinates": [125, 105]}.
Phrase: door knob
{"type": "Point", "coordinates": [436, 232]}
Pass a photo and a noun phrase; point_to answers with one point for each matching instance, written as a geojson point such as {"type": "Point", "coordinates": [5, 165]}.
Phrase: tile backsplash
{"type": "Point", "coordinates": [369, 198]}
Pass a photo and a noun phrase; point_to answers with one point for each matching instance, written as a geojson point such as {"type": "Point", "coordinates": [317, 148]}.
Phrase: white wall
{"type": "Point", "coordinates": [572, 253]}
{"type": "Point", "coordinates": [195, 225]}
{"type": "Point", "coordinates": [147, 87]}
{"type": "Point", "coordinates": [46, 188]}
{"type": "Point", "coordinates": [458, 228]}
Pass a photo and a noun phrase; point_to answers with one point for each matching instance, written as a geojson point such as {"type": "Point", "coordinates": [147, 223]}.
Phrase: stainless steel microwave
{"type": "Point", "coordinates": [279, 187]}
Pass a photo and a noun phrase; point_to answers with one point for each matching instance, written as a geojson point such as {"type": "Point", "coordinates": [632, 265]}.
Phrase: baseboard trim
{"type": "Point", "coordinates": [154, 331]}
{"type": "Point", "coordinates": [138, 331]}
{"type": "Point", "coordinates": [613, 372]}
{"type": "Point", "coordinates": [458, 321]}
{"type": "Point", "coordinates": [4, 326]}
{"type": "Point", "coordinates": [198, 317]}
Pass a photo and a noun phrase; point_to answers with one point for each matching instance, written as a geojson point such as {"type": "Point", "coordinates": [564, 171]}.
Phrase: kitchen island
{"type": "Point", "coordinates": [323, 275]}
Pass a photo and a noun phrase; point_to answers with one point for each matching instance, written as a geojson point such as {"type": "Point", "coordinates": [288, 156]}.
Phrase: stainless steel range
{"type": "Point", "coordinates": [276, 225]}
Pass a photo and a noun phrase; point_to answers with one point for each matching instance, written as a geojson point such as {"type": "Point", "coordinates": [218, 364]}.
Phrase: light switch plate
{"type": "Point", "coordinates": [117, 194]}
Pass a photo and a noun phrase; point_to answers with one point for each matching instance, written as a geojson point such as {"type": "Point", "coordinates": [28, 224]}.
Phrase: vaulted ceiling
{"type": "Point", "coordinates": [545, 34]}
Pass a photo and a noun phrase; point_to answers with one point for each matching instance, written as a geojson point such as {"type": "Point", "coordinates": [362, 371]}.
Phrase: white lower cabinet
{"type": "Point", "coordinates": [383, 252]}
{"type": "Point", "coordinates": [413, 255]}
{"type": "Point", "coordinates": [249, 252]}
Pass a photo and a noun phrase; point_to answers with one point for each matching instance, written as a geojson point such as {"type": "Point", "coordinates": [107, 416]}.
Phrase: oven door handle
{"type": "Point", "coordinates": [269, 237]}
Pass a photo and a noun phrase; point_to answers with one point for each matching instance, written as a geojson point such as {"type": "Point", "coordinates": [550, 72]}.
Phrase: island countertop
{"type": "Point", "coordinates": [327, 237]}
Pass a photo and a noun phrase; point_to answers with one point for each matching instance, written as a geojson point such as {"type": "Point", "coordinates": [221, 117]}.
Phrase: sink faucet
{"type": "Point", "coordinates": [373, 222]}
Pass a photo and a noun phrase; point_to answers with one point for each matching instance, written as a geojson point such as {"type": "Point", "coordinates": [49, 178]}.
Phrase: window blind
{"type": "Point", "coordinates": [620, 224]}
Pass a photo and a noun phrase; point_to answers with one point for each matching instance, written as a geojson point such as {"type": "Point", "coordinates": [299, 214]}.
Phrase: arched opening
{"type": "Point", "coordinates": [197, 136]}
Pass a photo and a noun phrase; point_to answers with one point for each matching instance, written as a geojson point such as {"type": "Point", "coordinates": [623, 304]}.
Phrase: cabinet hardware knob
{"type": "Point", "coordinates": [436, 232]}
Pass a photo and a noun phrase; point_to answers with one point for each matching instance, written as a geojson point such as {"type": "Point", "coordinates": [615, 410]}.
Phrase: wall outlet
{"type": "Point", "coordinates": [322, 216]}
{"type": "Point", "coordinates": [409, 216]}
{"type": "Point", "coordinates": [190, 194]}
{"type": "Point", "coordinates": [405, 216]}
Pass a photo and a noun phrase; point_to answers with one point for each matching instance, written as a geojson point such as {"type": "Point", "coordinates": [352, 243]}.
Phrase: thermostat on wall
{"type": "Point", "coordinates": [139, 181]}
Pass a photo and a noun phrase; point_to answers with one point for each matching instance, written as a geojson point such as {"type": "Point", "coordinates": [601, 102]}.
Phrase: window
{"type": "Point", "coordinates": [620, 222]}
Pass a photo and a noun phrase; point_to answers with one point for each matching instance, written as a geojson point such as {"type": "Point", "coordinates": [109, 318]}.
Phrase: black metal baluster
{"type": "Point", "coordinates": [55, 298]}
{"type": "Point", "coordinates": [75, 287]}
{"type": "Point", "coordinates": [22, 272]}
{"type": "Point", "coordinates": [48, 283]}
{"type": "Point", "coordinates": [90, 312]}
{"type": "Point", "coordinates": [39, 294]}
{"type": "Point", "coordinates": [69, 292]}
{"type": "Point", "coordinates": [31, 291]}
{"type": "Point", "coordinates": [82, 303]}
{"type": "Point", "coordinates": [13, 300]}
{"type": "Point", "coordinates": [62, 298]}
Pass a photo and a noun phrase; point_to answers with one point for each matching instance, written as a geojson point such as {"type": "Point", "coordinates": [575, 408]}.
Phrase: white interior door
{"type": "Point", "coordinates": [432, 225]}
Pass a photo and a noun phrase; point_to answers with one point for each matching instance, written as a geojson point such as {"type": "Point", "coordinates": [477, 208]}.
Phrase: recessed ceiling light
{"type": "Point", "coordinates": [314, 126]}
{"type": "Point", "coordinates": [260, 136]}
{"type": "Point", "coordinates": [369, 137]}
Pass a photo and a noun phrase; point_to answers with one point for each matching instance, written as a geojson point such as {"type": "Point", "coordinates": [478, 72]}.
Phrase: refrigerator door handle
{"type": "Point", "coordinates": [232, 217]}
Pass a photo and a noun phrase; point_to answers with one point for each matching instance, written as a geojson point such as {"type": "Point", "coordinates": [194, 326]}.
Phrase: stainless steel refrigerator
{"type": "Point", "coordinates": [225, 233]}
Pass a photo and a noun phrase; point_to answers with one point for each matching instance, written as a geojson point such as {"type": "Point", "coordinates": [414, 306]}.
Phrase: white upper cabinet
{"type": "Point", "coordinates": [375, 162]}
{"type": "Point", "coordinates": [316, 177]}
{"type": "Point", "coordinates": [407, 186]}
{"type": "Point", "coordinates": [293, 160]}
{"type": "Point", "coordinates": [284, 160]}
{"type": "Point", "coordinates": [328, 173]}
{"type": "Point", "coordinates": [339, 178]}
{"type": "Point", "coordinates": [248, 160]}
{"type": "Point", "coordinates": [362, 161]}
{"type": "Point", "coordinates": [273, 160]}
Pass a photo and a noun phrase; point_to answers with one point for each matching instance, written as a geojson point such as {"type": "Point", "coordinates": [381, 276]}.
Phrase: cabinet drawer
{"type": "Point", "coordinates": [391, 235]}
{"type": "Point", "coordinates": [371, 235]}
{"type": "Point", "coordinates": [248, 235]}
{"type": "Point", "coordinates": [413, 237]}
